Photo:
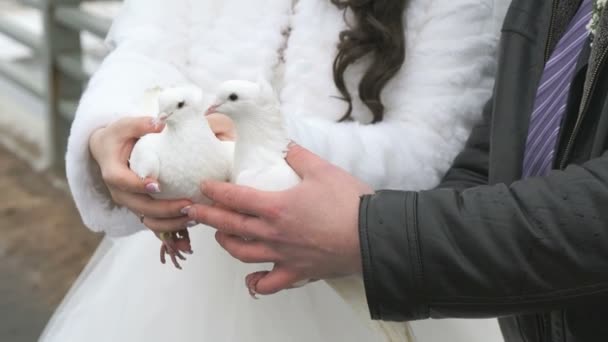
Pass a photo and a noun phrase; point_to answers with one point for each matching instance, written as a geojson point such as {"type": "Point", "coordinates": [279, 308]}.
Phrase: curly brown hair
{"type": "Point", "coordinates": [378, 31]}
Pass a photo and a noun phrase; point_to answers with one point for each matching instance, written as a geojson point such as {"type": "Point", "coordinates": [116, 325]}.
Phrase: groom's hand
{"type": "Point", "coordinates": [309, 231]}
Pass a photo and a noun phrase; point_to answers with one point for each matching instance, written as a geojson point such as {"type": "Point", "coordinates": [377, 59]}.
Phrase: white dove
{"type": "Point", "coordinates": [184, 154]}
{"type": "Point", "coordinates": [259, 162]}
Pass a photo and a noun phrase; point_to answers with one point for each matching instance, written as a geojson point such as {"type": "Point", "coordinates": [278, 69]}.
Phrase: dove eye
{"type": "Point", "coordinates": [181, 104]}
{"type": "Point", "coordinates": [233, 97]}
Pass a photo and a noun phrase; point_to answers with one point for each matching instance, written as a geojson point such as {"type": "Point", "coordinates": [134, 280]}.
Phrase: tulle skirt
{"type": "Point", "coordinates": [125, 294]}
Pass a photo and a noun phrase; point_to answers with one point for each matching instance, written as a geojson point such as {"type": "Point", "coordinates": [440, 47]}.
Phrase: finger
{"type": "Point", "coordinates": [277, 280]}
{"type": "Point", "coordinates": [225, 136]}
{"type": "Point", "coordinates": [166, 225]}
{"type": "Point", "coordinates": [252, 280]}
{"type": "Point", "coordinates": [302, 161]}
{"type": "Point", "coordinates": [136, 127]}
{"type": "Point", "coordinates": [222, 126]}
{"type": "Point", "coordinates": [120, 177]}
{"type": "Point", "coordinates": [230, 222]}
{"type": "Point", "coordinates": [247, 251]}
{"type": "Point", "coordinates": [152, 208]}
{"type": "Point", "coordinates": [219, 121]}
{"type": "Point", "coordinates": [243, 199]}
{"type": "Point", "coordinates": [221, 206]}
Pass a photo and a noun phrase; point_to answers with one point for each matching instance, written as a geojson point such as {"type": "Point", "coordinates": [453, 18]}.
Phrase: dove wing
{"type": "Point", "coordinates": [144, 160]}
{"type": "Point", "coordinates": [275, 177]}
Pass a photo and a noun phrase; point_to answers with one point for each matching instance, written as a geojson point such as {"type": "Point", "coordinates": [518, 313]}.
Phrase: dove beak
{"type": "Point", "coordinates": [162, 117]}
{"type": "Point", "coordinates": [212, 109]}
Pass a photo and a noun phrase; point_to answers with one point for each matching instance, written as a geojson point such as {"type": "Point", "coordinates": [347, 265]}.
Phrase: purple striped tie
{"type": "Point", "coordinates": [552, 95]}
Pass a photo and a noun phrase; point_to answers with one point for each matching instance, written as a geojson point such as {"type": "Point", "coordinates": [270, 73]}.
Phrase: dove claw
{"type": "Point", "coordinates": [174, 246]}
{"type": "Point", "coordinates": [175, 262]}
{"type": "Point", "coordinates": [163, 251]}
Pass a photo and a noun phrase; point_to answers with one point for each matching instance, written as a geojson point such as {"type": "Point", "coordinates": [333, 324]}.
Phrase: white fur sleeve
{"type": "Point", "coordinates": [143, 58]}
{"type": "Point", "coordinates": [444, 83]}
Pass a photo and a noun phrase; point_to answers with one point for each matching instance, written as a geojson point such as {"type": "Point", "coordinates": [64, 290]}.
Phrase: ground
{"type": "Point", "coordinates": [43, 247]}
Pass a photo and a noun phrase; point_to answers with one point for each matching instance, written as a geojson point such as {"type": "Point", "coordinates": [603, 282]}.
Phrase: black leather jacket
{"type": "Point", "coordinates": [486, 244]}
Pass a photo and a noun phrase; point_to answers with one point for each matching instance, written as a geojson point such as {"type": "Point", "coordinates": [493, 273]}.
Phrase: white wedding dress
{"type": "Point", "coordinates": [125, 294]}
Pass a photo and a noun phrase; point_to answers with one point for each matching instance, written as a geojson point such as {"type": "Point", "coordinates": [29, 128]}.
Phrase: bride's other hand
{"type": "Point", "coordinates": [111, 147]}
{"type": "Point", "coordinates": [222, 126]}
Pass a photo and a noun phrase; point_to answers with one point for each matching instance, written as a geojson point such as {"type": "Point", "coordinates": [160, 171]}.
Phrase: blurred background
{"type": "Point", "coordinates": [48, 49]}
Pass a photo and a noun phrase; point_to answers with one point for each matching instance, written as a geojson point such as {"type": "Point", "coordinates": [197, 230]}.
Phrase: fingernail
{"type": "Point", "coordinates": [152, 188]}
{"type": "Point", "coordinates": [192, 224]}
{"type": "Point", "coordinates": [156, 123]}
{"type": "Point", "coordinates": [185, 210]}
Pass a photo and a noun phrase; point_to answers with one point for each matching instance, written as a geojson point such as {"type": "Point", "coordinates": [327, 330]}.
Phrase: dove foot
{"type": "Point", "coordinates": [252, 280]}
{"type": "Point", "coordinates": [174, 245]}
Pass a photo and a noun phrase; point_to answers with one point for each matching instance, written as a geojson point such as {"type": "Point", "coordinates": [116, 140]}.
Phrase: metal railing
{"type": "Point", "coordinates": [60, 51]}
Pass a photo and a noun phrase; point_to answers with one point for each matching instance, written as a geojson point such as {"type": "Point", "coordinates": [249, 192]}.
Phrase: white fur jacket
{"type": "Point", "coordinates": [431, 104]}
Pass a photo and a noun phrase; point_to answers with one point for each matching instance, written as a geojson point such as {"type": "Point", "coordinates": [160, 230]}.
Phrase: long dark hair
{"type": "Point", "coordinates": [377, 31]}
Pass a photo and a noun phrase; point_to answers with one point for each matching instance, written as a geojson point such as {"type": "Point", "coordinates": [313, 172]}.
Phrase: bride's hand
{"type": "Point", "coordinates": [222, 126]}
{"type": "Point", "coordinates": [111, 147]}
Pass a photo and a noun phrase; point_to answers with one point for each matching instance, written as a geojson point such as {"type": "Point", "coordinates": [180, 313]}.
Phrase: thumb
{"type": "Point", "coordinates": [302, 161]}
{"type": "Point", "coordinates": [278, 279]}
{"type": "Point", "coordinates": [222, 126]}
{"type": "Point", "coordinates": [136, 127]}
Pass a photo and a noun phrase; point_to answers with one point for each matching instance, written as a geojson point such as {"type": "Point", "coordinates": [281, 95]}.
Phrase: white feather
{"type": "Point", "coordinates": [186, 152]}
{"type": "Point", "coordinates": [259, 162]}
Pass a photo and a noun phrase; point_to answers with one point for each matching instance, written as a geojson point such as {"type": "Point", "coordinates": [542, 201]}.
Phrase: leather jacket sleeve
{"type": "Point", "coordinates": [470, 168]}
{"type": "Point", "coordinates": [488, 251]}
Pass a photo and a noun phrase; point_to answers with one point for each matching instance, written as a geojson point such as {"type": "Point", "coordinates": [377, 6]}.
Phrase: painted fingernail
{"type": "Point", "coordinates": [153, 188]}
{"type": "Point", "coordinates": [185, 210]}
{"type": "Point", "coordinates": [192, 224]}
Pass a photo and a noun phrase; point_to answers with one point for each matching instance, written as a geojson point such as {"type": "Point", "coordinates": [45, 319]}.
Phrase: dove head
{"type": "Point", "coordinates": [243, 99]}
{"type": "Point", "coordinates": [174, 102]}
